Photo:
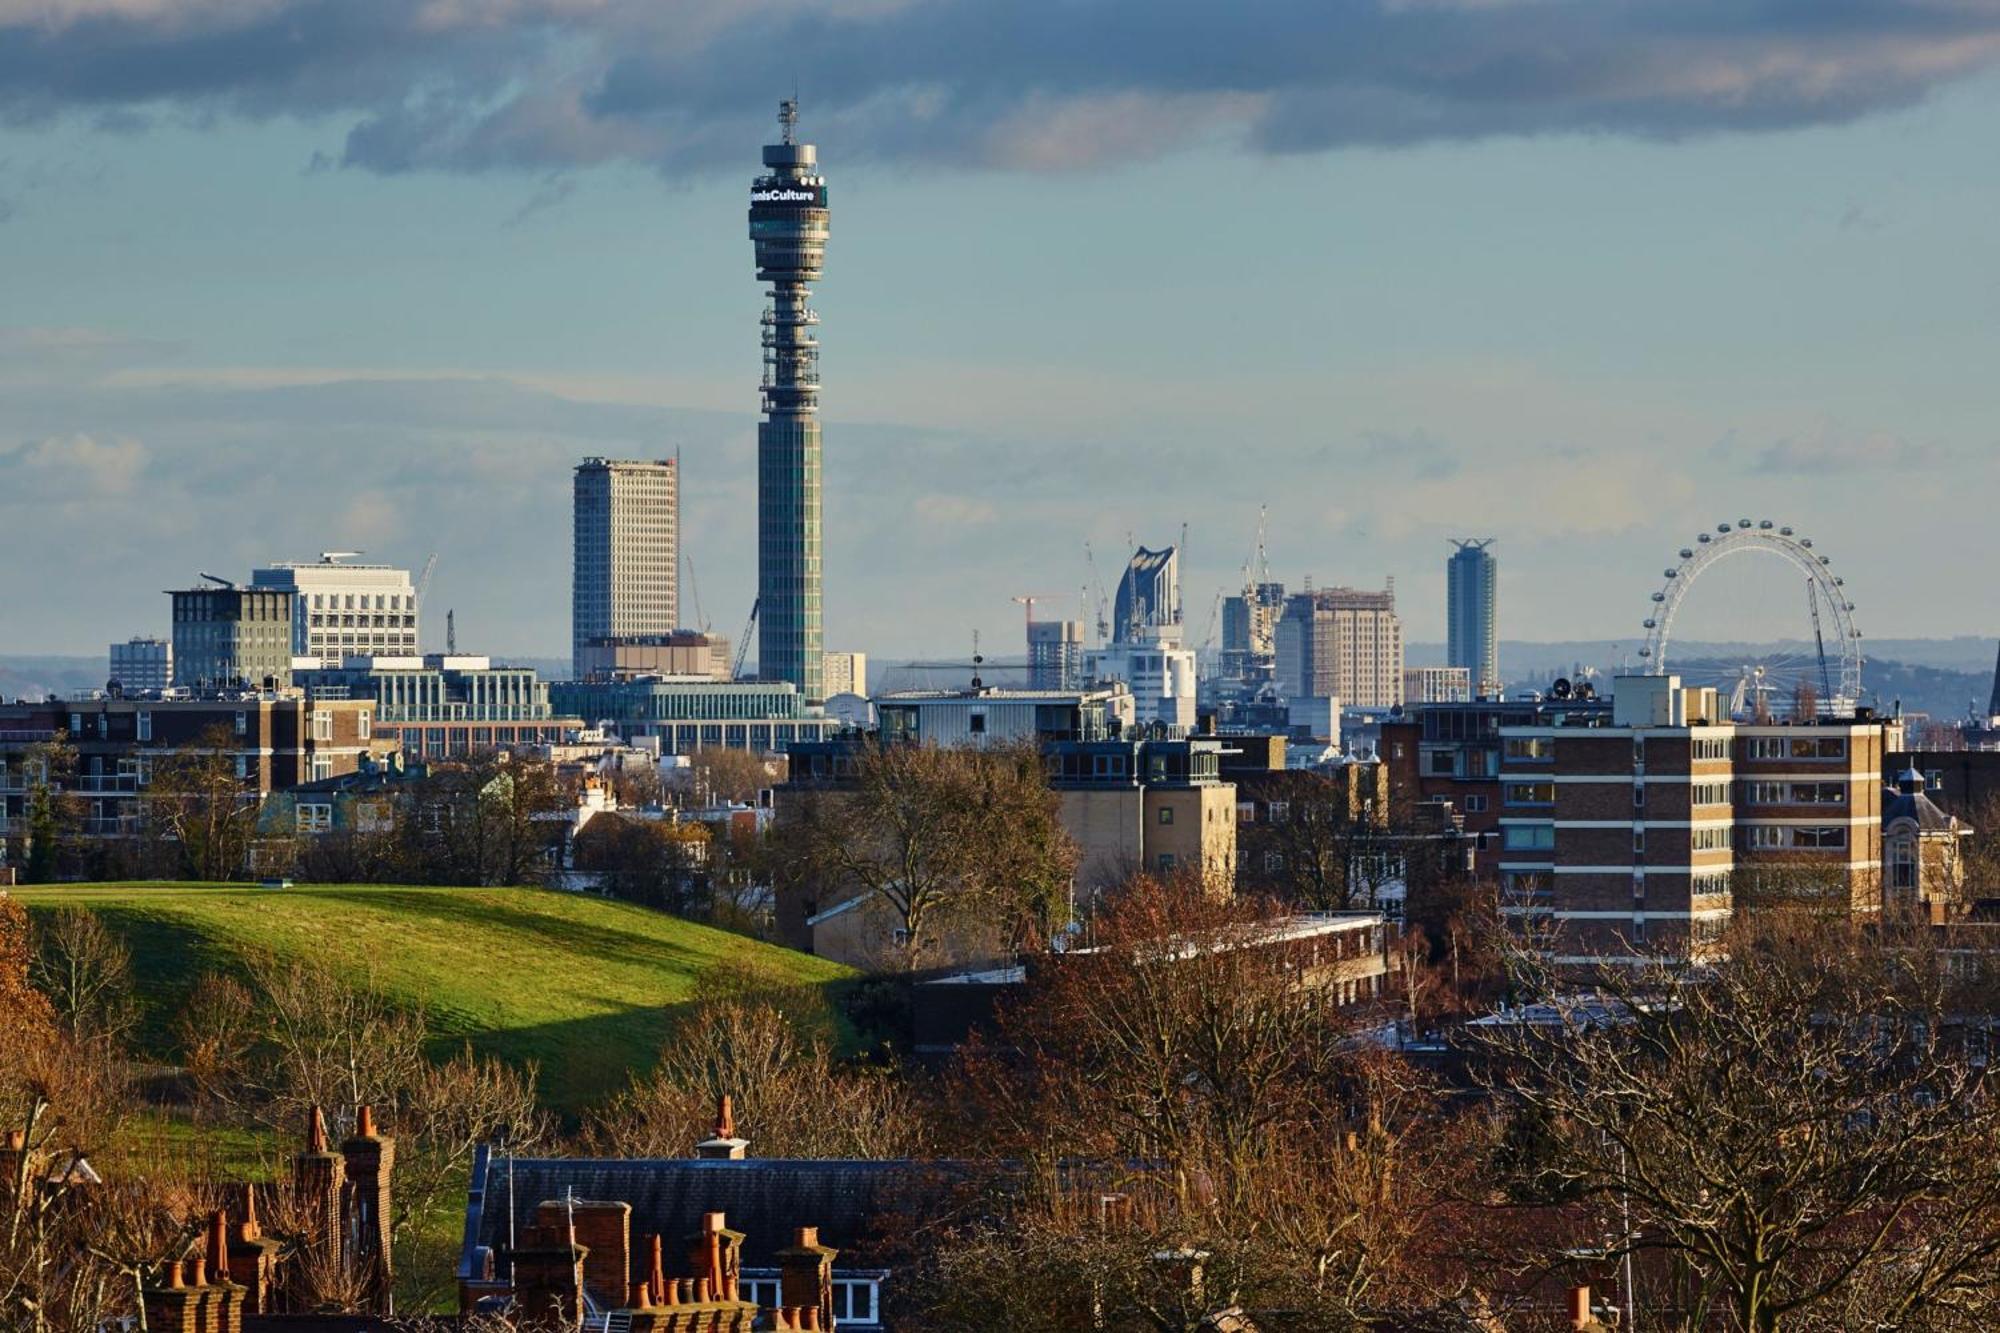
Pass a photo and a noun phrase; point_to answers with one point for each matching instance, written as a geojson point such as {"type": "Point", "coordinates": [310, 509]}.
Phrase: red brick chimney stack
{"type": "Point", "coordinates": [321, 1180]}
{"type": "Point", "coordinates": [369, 1160]}
{"type": "Point", "coordinates": [252, 1259]}
{"type": "Point", "coordinates": [805, 1276]}
{"type": "Point", "coordinates": [605, 1230]}
{"type": "Point", "coordinates": [724, 1145]}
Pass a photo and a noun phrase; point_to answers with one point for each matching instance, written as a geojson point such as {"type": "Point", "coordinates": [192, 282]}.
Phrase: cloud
{"type": "Point", "coordinates": [549, 85]}
{"type": "Point", "coordinates": [951, 512]}
{"type": "Point", "coordinates": [1826, 451]}
{"type": "Point", "coordinates": [77, 467]}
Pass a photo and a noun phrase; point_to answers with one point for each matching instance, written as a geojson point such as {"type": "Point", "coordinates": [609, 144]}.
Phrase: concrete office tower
{"type": "Point", "coordinates": [1149, 594]}
{"type": "Point", "coordinates": [142, 663]}
{"type": "Point", "coordinates": [845, 673]}
{"type": "Point", "coordinates": [1055, 654]}
{"type": "Point", "coordinates": [1344, 644]}
{"type": "Point", "coordinates": [1472, 630]}
{"type": "Point", "coordinates": [341, 610]}
{"type": "Point", "coordinates": [788, 223]}
{"type": "Point", "coordinates": [625, 572]}
{"type": "Point", "coordinates": [227, 637]}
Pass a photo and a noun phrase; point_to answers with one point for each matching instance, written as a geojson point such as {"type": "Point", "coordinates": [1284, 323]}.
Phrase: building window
{"type": "Point", "coordinates": [362, 721]}
{"type": "Point", "coordinates": [322, 726]}
{"type": "Point", "coordinates": [1638, 930]}
{"type": "Point", "coordinates": [1638, 842]}
{"type": "Point", "coordinates": [315, 817]}
{"type": "Point", "coordinates": [1638, 795]}
{"type": "Point", "coordinates": [1168, 861]}
{"type": "Point", "coordinates": [1531, 793]}
{"type": "Point", "coordinates": [242, 724]}
{"type": "Point", "coordinates": [242, 764]}
{"type": "Point", "coordinates": [1531, 749]}
{"type": "Point", "coordinates": [145, 726]}
{"type": "Point", "coordinates": [1475, 805]}
{"type": "Point", "coordinates": [976, 724]}
{"type": "Point", "coordinates": [1528, 837]}
{"type": "Point", "coordinates": [1166, 814]}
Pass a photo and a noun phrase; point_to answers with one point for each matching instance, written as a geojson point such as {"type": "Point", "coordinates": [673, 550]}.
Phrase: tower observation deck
{"type": "Point", "coordinates": [788, 223]}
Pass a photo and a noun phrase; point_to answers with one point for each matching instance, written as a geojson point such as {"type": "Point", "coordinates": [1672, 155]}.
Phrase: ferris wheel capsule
{"type": "Point", "coordinates": [1704, 538]}
{"type": "Point", "coordinates": [1722, 528]}
{"type": "Point", "coordinates": [1686, 554]}
{"type": "Point", "coordinates": [1673, 573]}
{"type": "Point", "coordinates": [1742, 522]}
{"type": "Point", "coordinates": [1764, 525]}
{"type": "Point", "coordinates": [1784, 532]}
{"type": "Point", "coordinates": [1652, 623]}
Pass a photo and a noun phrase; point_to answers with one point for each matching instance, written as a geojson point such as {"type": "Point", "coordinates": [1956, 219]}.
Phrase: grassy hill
{"type": "Point", "coordinates": [583, 986]}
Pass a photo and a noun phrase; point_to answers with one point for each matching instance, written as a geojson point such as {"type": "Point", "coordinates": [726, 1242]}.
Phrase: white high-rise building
{"type": "Point", "coordinates": [1159, 672]}
{"type": "Point", "coordinates": [625, 577]}
{"type": "Point", "coordinates": [342, 610]}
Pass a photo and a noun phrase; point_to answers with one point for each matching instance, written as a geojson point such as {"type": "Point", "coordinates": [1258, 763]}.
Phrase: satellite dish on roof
{"type": "Point", "coordinates": [1561, 688]}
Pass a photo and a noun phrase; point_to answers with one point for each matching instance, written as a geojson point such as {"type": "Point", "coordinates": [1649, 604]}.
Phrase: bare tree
{"type": "Point", "coordinates": [941, 836]}
{"type": "Point", "coordinates": [768, 1049]}
{"type": "Point", "coordinates": [1797, 1128]}
{"type": "Point", "coordinates": [86, 971]}
{"type": "Point", "coordinates": [200, 812]}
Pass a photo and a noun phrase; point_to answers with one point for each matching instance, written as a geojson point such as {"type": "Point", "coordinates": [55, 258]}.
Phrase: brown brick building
{"type": "Point", "coordinates": [274, 740]}
{"type": "Point", "coordinates": [1633, 835]}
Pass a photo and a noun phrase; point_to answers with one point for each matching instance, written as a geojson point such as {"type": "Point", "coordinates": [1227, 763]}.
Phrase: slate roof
{"type": "Point", "coordinates": [1918, 807]}
{"type": "Point", "coordinates": [858, 1206]}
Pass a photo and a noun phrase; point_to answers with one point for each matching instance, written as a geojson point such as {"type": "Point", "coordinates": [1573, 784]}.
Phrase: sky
{"type": "Point", "coordinates": [280, 276]}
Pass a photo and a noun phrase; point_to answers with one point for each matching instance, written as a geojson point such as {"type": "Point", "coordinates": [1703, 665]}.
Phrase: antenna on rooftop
{"type": "Point", "coordinates": [788, 113]}
{"type": "Point", "coordinates": [977, 683]}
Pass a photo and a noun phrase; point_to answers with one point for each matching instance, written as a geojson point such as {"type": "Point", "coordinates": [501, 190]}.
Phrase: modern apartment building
{"type": "Point", "coordinates": [445, 705]}
{"type": "Point", "coordinates": [625, 566]}
{"type": "Point", "coordinates": [1055, 654]}
{"type": "Point", "coordinates": [1437, 685]}
{"type": "Point", "coordinates": [227, 637]}
{"type": "Point", "coordinates": [273, 741]}
{"type": "Point", "coordinates": [1341, 643]}
{"type": "Point", "coordinates": [1633, 836]}
{"type": "Point", "coordinates": [142, 663]}
{"type": "Point", "coordinates": [342, 610]}
{"type": "Point", "coordinates": [1472, 625]}
{"type": "Point", "coordinates": [1149, 593]}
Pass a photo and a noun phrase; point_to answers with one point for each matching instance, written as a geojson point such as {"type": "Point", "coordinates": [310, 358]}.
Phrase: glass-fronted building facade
{"type": "Point", "coordinates": [764, 717]}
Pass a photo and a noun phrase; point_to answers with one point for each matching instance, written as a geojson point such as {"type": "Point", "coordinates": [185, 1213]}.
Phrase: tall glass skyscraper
{"type": "Point", "coordinates": [1472, 628]}
{"type": "Point", "coordinates": [788, 223]}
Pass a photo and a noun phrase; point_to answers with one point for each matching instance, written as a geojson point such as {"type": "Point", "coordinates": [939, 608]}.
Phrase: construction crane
{"type": "Point", "coordinates": [1103, 611]}
{"type": "Point", "coordinates": [743, 644]}
{"type": "Point", "coordinates": [694, 593]}
{"type": "Point", "coordinates": [1028, 600]}
{"type": "Point", "coordinates": [424, 579]}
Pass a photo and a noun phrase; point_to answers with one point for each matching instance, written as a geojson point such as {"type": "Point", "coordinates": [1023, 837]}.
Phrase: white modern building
{"type": "Point", "coordinates": [1437, 685]}
{"type": "Point", "coordinates": [625, 577]}
{"type": "Point", "coordinates": [142, 663]}
{"type": "Point", "coordinates": [342, 610]}
{"type": "Point", "coordinates": [1158, 671]}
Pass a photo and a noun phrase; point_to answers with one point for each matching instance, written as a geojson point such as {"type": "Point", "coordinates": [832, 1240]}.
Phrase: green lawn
{"type": "Point", "coordinates": [583, 986]}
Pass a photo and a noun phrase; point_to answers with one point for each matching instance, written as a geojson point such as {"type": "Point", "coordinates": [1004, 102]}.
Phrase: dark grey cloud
{"type": "Point", "coordinates": [542, 85]}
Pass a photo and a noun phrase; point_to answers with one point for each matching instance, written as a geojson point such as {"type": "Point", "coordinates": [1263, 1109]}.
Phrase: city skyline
{"type": "Point", "coordinates": [1788, 315]}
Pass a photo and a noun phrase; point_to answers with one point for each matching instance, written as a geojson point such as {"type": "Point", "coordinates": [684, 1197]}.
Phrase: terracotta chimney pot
{"type": "Point", "coordinates": [806, 1237]}
{"type": "Point", "coordinates": [364, 1122]}
{"type": "Point", "coordinates": [1579, 1307]}
{"type": "Point", "coordinates": [642, 1296]}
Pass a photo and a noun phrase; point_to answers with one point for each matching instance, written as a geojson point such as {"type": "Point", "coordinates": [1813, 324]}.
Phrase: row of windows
{"type": "Point", "coordinates": [1798, 747]}
{"type": "Point", "coordinates": [1796, 793]}
{"type": "Point", "coordinates": [1764, 837]}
